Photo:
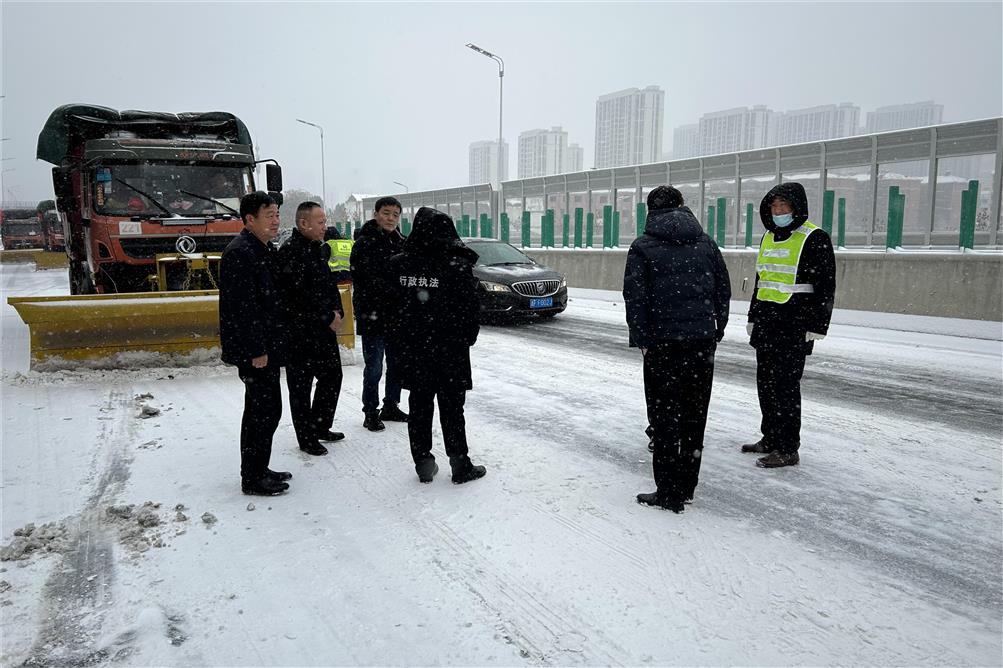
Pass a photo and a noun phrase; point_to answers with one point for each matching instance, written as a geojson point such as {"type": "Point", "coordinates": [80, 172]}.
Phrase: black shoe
{"type": "Point", "coordinates": [315, 449]}
{"type": "Point", "coordinates": [653, 499]}
{"type": "Point", "coordinates": [392, 413]}
{"type": "Point", "coordinates": [280, 476]}
{"type": "Point", "coordinates": [373, 422]}
{"type": "Point", "coordinates": [464, 470]}
{"type": "Point", "coordinates": [778, 459]}
{"type": "Point", "coordinates": [331, 436]}
{"type": "Point", "coordinates": [759, 446]}
{"type": "Point", "coordinates": [264, 486]}
{"type": "Point", "coordinates": [426, 470]}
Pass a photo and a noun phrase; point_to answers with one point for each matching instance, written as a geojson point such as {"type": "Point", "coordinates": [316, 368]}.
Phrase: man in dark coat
{"type": "Point", "coordinates": [790, 310]}
{"type": "Point", "coordinates": [252, 333]}
{"type": "Point", "coordinates": [435, 325]}
{"type": "Point", "coordinates": [677, 291]}
{"type": "Point", "coordinates": [372, 296]}
{"type": "Point", "coordinates": [314, 312]}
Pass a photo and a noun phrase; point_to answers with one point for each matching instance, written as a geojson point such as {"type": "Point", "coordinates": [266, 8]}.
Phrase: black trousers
{"type": "Point", "coordinates": [313, 417]}
{"type": "Point", "coordinates": [421, 408]}
{"type": "Point", "coordinates": [262, 412]}
{"type": "Point", "coordinates": [677, 387]}
{"type": "Point", "coordinates": [778, 379]}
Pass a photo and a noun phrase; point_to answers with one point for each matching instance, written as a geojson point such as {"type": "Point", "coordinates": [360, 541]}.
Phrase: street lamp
{"type": "Point", "coordinates": [402, 186]}
{"type": "Point", "coordinates": [501, 75]}
{"type": "Point", "coordinates": [323, 175]}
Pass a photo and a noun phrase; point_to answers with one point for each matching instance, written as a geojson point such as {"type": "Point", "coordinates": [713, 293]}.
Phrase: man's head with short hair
{"type": "Point", "coordinates": [311, 221]}
{"type": "Point", "coordinates": [664, 197]}
{"type": "Point", "coordinates": [387, 212]}
{"type": "Point", "coordinates": [260, 214]}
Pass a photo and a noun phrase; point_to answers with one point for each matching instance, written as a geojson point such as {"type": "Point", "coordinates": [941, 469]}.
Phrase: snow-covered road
{"type": "Point", "coordinates": [883, 547]}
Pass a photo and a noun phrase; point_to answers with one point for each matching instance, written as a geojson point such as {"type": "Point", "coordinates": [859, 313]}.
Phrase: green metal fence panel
{"type": "Point", "coordinates": [579, 215]}
{"type": "Point", "coordinates": [893, 237]}
{"type": "Point", "coordinates": [565, 231]}
{"type": "Point", "coordinates": [640, 218]}
{"type": "Point", "coordinates": [969, 200]}
{"type": "Point", "coordinates": [504, 227]}
{"type": "Point", "coordinates": [840, 223]}
{"type": "Point", "coordinates": [722, 222]}
{"type": "Point", "coordinates": [748, 225]}
{"type": "Point", "coordinates": [550, 228]}
{"type": "Point", "coordinates": [614, 238]}
{"type": "Point", "coordinates": [828, 200]}
{"type": "Point", "coordinates": [358, 224]}
{"type": "Point", "coordinates": [485, 226]}
{"type": "Point", "coordinates": [607, 225]}
{"type": "Point", "coordinates": [526, 237]}
{"type": "Point", "coordinates": [463, 229]}
{"type": "Point", "coordinates": [405, 226]}
{"type": "Point", "coordinates": [590, 229]}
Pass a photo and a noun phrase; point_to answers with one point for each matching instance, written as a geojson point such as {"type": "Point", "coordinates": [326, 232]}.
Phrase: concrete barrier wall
{"type": "Point", "coordinates": [951, 285]}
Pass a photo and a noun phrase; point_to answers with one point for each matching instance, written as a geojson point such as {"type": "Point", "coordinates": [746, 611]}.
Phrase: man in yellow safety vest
{"type": "Point", "coordinates": [790, 310]}
{"type": "Point", "coordinates": [338, 254]}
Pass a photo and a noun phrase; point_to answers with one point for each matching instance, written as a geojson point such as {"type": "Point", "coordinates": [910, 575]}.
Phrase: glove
{"type": "Point", "coordinates": [749, 327]}
{"type": "Point", "coordinates": [812, 336]}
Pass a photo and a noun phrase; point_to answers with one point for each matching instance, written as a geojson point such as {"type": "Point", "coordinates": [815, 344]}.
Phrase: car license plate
{"type": "Point", "coordinates": [541, 303]}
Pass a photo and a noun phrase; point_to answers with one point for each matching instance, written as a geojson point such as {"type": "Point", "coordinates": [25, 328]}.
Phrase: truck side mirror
{"type": "Point", "coordinates": [273, 177]}
{"type": "Point", "coordinates": [62, 183]}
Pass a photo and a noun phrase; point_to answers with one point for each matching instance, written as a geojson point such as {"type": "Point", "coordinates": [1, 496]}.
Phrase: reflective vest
{"type": "Point", "coordinates": [777, 265]}
{"type": "Point", "coordinates": [341, 254]}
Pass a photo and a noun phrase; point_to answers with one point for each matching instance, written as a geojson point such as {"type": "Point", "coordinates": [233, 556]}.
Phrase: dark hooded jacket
{"type": "Point", "coordinates": [436, 319]}
{"type": "Point", "coordinates": [675, 285]}
{"type": "Point", "coordinates": [372, 292]}
{"type": "Point", "coordinates": [251, 319]}
{"type": "Point", "coordinates": [310, 297]}
{"type": "Point", "coordinates": [786, 324]}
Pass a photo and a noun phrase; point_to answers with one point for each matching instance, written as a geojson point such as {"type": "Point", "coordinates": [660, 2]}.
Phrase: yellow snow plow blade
{"type": "Point", "coordinates": [88, 327]}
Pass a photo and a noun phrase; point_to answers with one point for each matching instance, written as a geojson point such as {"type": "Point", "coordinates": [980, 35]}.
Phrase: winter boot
{"type": "Point", "coordinates": [391, 413]}
{"type": "Point", "coordinates": [656, 500]}
{"type": "Point", "coordinates": [777, 459]}
{"type": "Point", "coordinates": [464, 470]}
{"type": "Point", "coordinates": [315, 449]}
{"type": "Point", "coordinates": [263, 486]}
{"type": "Point", "coordinates": [373, 422]}
{"type": "Point", "coordinates": [759, 446]}
{"type": "Point", "coordinates": [426, 469]}
{"type": "Point", "coordinates": [280, 476]}
{"type": "Point", "coordinates": [331, 436]}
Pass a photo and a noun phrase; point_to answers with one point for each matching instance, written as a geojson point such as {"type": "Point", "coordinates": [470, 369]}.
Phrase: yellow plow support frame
{"type": "Point", "coordinates": [86, 327]}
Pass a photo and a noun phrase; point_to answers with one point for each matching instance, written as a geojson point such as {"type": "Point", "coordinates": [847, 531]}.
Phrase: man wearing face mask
{"type": "Point", "coordinates": [790, 310]}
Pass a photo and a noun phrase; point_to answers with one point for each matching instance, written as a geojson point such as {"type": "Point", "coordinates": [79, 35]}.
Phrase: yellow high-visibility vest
{"type": "Point", "coordinates": [777, 265]}
{"type": "Point", "coordinates": [341, 254]}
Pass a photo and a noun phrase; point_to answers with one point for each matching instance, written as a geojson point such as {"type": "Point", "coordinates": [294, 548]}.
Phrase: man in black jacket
{"type": "Point", "coordinates": [434, 326]}
{"type": "Point", "coordinates": [677, 291]}
{"type": "Point", "coordinates": [377, 241]}
{"type": "Point", "coordinates": [314, 311]}
{"type": "Point", "coordinates": [790, 310]}
{"type": "Point", "coordinates": [252, 333]}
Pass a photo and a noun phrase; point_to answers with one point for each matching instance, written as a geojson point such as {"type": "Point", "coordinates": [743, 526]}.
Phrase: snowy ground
{"type": "Point", "coordinates": [883, 547]}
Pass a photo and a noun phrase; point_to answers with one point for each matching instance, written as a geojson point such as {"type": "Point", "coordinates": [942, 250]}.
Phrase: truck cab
{"type": "Point", "coordinates": [131, 186]}
{"type": "Point", "coordinates": [20, 228]}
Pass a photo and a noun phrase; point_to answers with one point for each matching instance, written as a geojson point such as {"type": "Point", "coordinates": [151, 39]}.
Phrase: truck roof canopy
{"type": "Point", "coordinates": [72, 124]}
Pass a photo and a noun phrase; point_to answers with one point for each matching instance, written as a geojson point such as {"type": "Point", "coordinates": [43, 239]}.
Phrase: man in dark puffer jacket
{"type": "Point", "coordinates": [677, 291]}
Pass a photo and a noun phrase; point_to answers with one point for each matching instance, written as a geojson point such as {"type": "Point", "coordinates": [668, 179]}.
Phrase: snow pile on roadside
{"type": "Point", "coordinates": [134, 359]}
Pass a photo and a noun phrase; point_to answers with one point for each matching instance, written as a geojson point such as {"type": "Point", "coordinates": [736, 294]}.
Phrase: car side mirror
{"type": "Point", "coordinates": [273, 177]}
{"type": "Point", "coordinates": [62, 183]}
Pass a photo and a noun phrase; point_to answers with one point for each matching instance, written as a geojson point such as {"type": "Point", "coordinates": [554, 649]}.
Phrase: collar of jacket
{"type": "Point", "coordinates": [256, 243]}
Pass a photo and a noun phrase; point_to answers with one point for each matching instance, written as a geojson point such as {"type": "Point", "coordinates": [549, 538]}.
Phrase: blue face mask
{"type": "Point", "coordinates": [784, 220]}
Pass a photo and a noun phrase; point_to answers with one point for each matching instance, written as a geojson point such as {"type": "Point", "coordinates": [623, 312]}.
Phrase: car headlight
{"type": "Point", "coordinates": [495, 287]}
{"type": "Point", "coordinates": [564, 282]}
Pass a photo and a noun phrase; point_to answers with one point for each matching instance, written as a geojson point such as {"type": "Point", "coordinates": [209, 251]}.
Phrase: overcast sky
{"type": "Point", "coordinates": [400, 98]}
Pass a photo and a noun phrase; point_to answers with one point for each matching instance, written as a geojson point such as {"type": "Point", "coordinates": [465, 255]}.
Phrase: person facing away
{"type": "Point", "coordinates": [372, 296]}
{"type": "Point", "coordinates": [252, 332]}
{"type": "Point", "coordinates": [314, 312]}
{"type": "Point", "coordinates": [435, 324]}
{"type": "Point", "coordinates": [790, 310]}
{"type": "Point", "coordinates": [676, 290]}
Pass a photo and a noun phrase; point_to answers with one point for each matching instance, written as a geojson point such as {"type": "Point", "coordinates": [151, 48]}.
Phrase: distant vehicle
{"type": "Point", "coordinates": [20, 228]}
{"type": "Point", "coordinates": [52, 227]}
{"type": "Point", "coordinates": [513, 284]}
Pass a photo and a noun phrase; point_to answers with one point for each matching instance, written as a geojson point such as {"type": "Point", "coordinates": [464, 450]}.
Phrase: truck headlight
{"type": "Point", "coordinates": [495, 287]}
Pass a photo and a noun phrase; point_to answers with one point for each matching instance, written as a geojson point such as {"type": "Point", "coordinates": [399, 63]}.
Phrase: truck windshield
{"type": "Point", "coordinates": [166, 182]}
{"type": "Point", "coordinates": [22, 228]}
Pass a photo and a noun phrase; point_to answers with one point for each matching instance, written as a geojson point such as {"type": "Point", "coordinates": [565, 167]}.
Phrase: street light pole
{"type": "Point", "coordinates": [323, 175]}
{"type": "Point", "coordinates": [501, 81]}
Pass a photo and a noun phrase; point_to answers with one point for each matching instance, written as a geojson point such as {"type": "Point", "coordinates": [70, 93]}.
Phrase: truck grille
{"type": "Point", "coordinates": [543, 288]}
{"type": "Point", "coordinates": [145, 248]}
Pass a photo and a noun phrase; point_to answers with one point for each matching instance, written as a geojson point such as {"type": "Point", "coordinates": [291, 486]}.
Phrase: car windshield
{"type": "Point", "coordinates": [491, 253]}
{"type": "Point", "coordinates": [165, 183]}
